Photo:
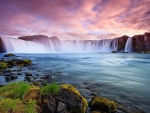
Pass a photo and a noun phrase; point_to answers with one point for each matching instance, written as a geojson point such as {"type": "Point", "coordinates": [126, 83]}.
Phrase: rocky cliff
{"type": "Point", "coordinates": [141, 43]}
{"type": "Point", "coordinates": [122, 42]}
{"type": "Point", "coordinates": [2, 50]}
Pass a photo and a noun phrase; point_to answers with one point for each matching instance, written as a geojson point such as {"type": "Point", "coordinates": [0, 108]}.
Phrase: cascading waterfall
{"type": "Point", "coordinates": [47, 46]}
{"type": "Point", "coordinates": [129, 46]}
{"type": "Point", "coordinates": [107, 45]}
{"type": "Point", "coordinates": [20, 46]}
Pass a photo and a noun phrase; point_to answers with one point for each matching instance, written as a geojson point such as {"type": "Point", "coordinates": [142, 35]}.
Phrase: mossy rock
{"type": "Point", "coordinates": [103, 105]}
{"type": "Point", "coordinates": [9, 55]}
{"type": "Point", "coordinates": [3, 65]}
{"type": "Point", "coordinates": [32, 94]}
{"type": "Point", "coordinates": [73, 92]}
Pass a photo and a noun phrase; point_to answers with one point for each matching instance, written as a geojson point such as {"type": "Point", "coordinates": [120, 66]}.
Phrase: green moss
{"type": "Point", "coordinates": [103, 104]}
{"type": "Point", "coordinates": [75, 91]}
{"type": "Point", "coordinates": [8, 105]}
{"type": "Point", "coordinates": [14, 90]}
{"type": "Point", "coordinates": [12, 98]}
{"type": "Point", "coordinates": [27, 62]}
{"type": "Point", "coordinates": [3, 65]}
{"type": "Point", "coordinates": [31, 107]}
{"type": "Point", "coordinates": [32, 94]}
{"type": "Point", "coordinates": [50, 88]}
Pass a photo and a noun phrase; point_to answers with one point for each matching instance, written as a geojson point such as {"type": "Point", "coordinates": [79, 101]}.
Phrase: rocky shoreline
{"type": "Point", "coordinates": [66, 100]}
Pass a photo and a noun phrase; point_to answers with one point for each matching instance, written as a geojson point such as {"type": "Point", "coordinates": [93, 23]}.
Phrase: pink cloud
{"type": "Point", "coordinates": [73, 19]}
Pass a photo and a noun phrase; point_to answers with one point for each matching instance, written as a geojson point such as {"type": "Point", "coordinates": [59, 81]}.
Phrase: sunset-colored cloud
{"type": "Point", "coordinates": [74, 19]}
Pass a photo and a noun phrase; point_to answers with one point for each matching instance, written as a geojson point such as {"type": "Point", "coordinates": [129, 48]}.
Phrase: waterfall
{"type": "Point", "coordinates": [47, 45]}
{"type": "Point", "coordinates": [107, 45]}
{"type": "Point", "coordinates": [129, 45]}
{"type": "Point", "coordinates": [20, 46]}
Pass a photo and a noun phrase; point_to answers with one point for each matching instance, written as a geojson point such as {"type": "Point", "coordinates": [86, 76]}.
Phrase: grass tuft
{"type": "Point", "coordinates": [50, 88]}
{"type": "Point", "coordinates": [14, 90]}
{"type": "Point", "coordinates": [10, 106]}
{"type": "Point", "coordinates": [31, 107]}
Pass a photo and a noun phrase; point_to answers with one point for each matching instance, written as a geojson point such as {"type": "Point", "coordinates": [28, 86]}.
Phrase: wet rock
{"type": "Point", "coordinates": [48, 104]}
{"type": "Point", "coordinates": [46, 77]}
{"type": "Point", "coordinates": [7, 71]}
{"type": "Point", "coordinates": [61, 107]}
{"type": "Point", "coordinates": [29, 78]}
{"type": "Point", "coordinates": [94, 94]}
{"type": "Point", "coordinates": [19, 70]}
{"type": "Point", "coordinates": [37, 75]}
{"type": "Point", "coordinates": [113, 52]}
{"type": "Point", "coordinates": [19, 73]}
{"type": "Point", "coordinates": [9, 55]}
{"type": "Point", "coordinates": [28, 74]}
{"type": "Point", "coordinates": [8, 78]}
{"type": "Point", "coordinates": [14, 77]}
{"type": "Point", "coordinates": [102, 105]}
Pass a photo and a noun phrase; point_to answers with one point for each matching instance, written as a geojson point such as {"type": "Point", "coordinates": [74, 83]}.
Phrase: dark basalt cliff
{"type": "Point", "coordinates": [141, 43]}
{"type": "Point", "coordinates": [2, 50]}
{"type": "Point", "coordinates": [122, 42]}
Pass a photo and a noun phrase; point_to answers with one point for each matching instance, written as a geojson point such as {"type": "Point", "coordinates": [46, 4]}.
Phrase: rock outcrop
{"type": "Point", "coordinates": [141, 43]}
{"type": "Point", "coordinates": [122, 42]}
{"type": "Point", "coordinates": [1, 46]}
{"type": "Point", "coordinates": [102, 105]}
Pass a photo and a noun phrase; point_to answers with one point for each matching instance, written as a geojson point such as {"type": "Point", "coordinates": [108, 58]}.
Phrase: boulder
{"type": "Point", "coordinates": [3, 65]}
{"type": "Point", "coordinates": [102, 105]}
{"type": "Point", "coordinates": [9, 55]}
{"type": "Point", "coordinates": [67, 100]}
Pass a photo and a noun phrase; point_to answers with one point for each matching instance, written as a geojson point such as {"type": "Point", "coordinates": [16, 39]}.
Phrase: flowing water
{"type": "Point", "coordinates": [129, 46]}
{"type": "Point", "coordinates": [124, 78]}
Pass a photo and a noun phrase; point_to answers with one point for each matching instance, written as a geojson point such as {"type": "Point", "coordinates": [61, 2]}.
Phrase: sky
{"type": "Point", "coordinates": [74, 19]}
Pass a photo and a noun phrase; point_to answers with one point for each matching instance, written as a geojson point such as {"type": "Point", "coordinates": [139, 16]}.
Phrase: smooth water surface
{"type": "Point", "coordinates": [122, 77]}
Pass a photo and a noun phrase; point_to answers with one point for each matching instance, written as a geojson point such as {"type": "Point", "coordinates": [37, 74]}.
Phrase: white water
{"type": "Point", "coordinates": [107, 45]}
{"type": "Point", "coordinates": [46, 46]}
{"type": "Point", "coordinates": [129, 45]}
{"type": "Point", "coordinates": [21, 46]}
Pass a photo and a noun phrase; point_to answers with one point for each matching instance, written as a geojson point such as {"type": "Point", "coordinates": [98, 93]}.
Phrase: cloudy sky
{"type": "Point", "coordinates": [74, 19]}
